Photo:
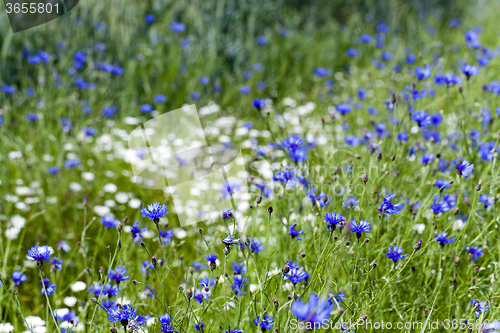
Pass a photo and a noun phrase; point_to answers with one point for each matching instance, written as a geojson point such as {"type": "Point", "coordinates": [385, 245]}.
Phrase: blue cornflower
{"type": "Point", "coordinates": [166, 236]}
{"type": "Point", "coordinates": [39, 254]}
{"type": "Point", "coordinates": [476, 251]}
{"type": "Point", "coordinates": [178, 27]}
{"type": "Point", "coordinates": [146, 108]}
{"type": "Point", "coordinates": [295, 146]}
{"type": "Point", "coordinates": [295, 233]}
{"type": "Point", "coordinates": [31, 116]}
{"type": "Point", "coordinates": [227, 214]}
{"type": "Point", "coordinates": [261, 40]}
{"type": "Point", "coordinates": [362, 93]}
{"type": "Point", "coordinates": [150, 18]}
{"type": "Point", "coordinates": [296, 273]}
{"type": "Point", "coordinates": [56, 263]}
{"type": "Point", "coordinates": [239, 285]}
{"type": "Point", "coordinates": [351, 140]}
{"type": "Point", "coordinates": [122, 314]}
{"type": "Point", "coordinates": [8, 89]}
{"type": "Point", "coordinates": [63, 245]}
{"type": "Point", "coordinates": [203, 80]}
{"type": "Point", "coordinates": [119, 274]}
{"type": "Point", "coordinates": [228, 188]}
{"type": "Point", "coordinates": [235, 331]}
{"type": "Point", "coordinates": [333, 220]}
{"type": "Point", "coordinates": [256, 245]}
{"type": "Point", "coordinates": [109, 221]}
{"type": "Point", "coordinates": [109, 290]}
{"type": "Point", "coordinates": [480, 307]}
{"type": "Point", "coordinates": [155, 211]}
{"type": "Point", "coordinates": [427, 158]}
{"type": "Point", "coordinates": [198, 266]}
{"type": "Point", "coordinates": [386, 56]}
{"type": "Point", "coordinates": [351, 202]}
{"type": "Point", "coordinates": [422, 118]}
{"type": "Point", "coordinates": [453, 79]}
{"type": "Point", "coordinates": [69, 164]}
{"type": "Point", "coordinates": [206, 283]}
{"type": "Point", "coordinates": [211, 258]}
{"type": "Point", "coordinates": [352, 52]}
{"type": "Point", "coordinates": [423, 73]}
{"type": "Point", "coordinates": [343, 108]}
{"type": "Point", "coordinates": [442, 184]}
{"type": "Point", "coordinates": [245, 90]}
{"type": "Point", "coordinates": [258, 104]}
{"type": "Point", "coordinates": [18, 277]}
{"type": "Point", "coordinates": [199, 327]}
{"type": "Point", "coordinates": [395, 253]}
{"type": "Point", "coordinates": [410, 59]}
{"type": "Point", "coordinates": [464, 168]}
{"type": "Point", "coordinates": [79, 57]}
{"type": "Point", "coordinates": [469, 70]}
{"type": "Point", "coordinates": [239, 268]}
{"type": "Point", "coordinates": [442, 238]}
{"type": "Point", "coordinates": [402, 137]}
{"type": "Point", "coordinates": [388, 208]}
{"type": "Point", "coordinates": [487, 200]}
{"type": "Point", "coordinates": [66, 124]}
{"type": "Point", "coordinates": [53, 170]}
{"type": "Point", "coordinates": [359, 228]}
{"type": "Point", "coordinates": [265, 322]}
{"type": "Point", "coordinates": [313, 312]}
{"type": "Point", "coordinates": [146, 264]}
{"type": "Point", "coordinates": [228, 241]}
{"type": "Point", "coordinates": [365, 38]}
{"type": "Point", "coordinates": [288, 177]}
{"type": "Point", "coordinates": [200, 296]}
{"type": "Point", "coordinates": [439, 206]}
{"type": "Point", "coordinates": [322, 72]}
{"type": "Point", "coordinates": [136, 232]}
{"type": "Point", "coordinates": [51, 288]}
{"type": "Point", "coordinates": [336, 299]}
{"type": "Point", "coordinates": [160, 98]}
{"type": "Point", "coordinates": [88, 131]}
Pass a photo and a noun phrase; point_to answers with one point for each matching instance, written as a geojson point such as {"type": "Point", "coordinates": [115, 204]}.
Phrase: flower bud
{"type": "Point", "coordinates": [270, 210]}
{"type": "Point", "coordinates": [365, 178]}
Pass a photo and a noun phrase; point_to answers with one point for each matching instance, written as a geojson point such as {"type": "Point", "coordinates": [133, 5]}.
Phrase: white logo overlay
{"type": "Point", "coordinates": [204, 179]}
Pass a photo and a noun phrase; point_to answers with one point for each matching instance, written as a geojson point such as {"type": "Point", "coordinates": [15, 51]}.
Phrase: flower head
{"type": "Point", "coordinates": [333, 220]}
{"type": "Point", "coordinates": [155, 211]}
{"type": "Point", "coordinates": [295, 233]}
{"type": "Point", "coordinates": [229, 240]}
{"type": "Point", "coordinates": [119, 274]}
{"type": "Point", "coordinates": [296, 274]}
{"type": "Point", "coordinates": [18, 277]}
{"type": "Point", "coordinates": [39, 254]}
{"type": "Point", "coordinates": [314, 312]}
{"type": "Point", "coordinates": [464, 168]}
{"type": "Point", "coordinates": [442, 238]}
{"type": "Point", "coordinates": [388, 208]}
{"type": "Point", "coordinates": [122, 314]}
{"type": "Point", "coordinates": [476, 251]}
{"type": "Point", "coordinates": [395, 253]}
{"type": "Point", "coordinates": [359, 228]}
{"type": "Point", "coordinates": [265, 322]}
{"type": "Point", "coordinates": [51, 288]}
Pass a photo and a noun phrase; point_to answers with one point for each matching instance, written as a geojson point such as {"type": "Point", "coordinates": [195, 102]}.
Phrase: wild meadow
{"type": "Point", "coordinates": [370, 146]}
